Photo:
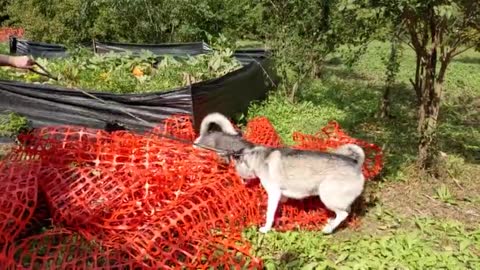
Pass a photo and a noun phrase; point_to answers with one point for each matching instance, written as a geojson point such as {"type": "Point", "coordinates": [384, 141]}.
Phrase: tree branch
{"type": "Point", "coordinates": [409, 44]}
{"type": "Point", "coordinates": [454, 53]}
{"type": "Point", "coordinates": [410, 23]}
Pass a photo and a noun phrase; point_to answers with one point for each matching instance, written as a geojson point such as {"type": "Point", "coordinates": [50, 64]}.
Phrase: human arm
{"type": "Point", "coordinates": [23, 62]}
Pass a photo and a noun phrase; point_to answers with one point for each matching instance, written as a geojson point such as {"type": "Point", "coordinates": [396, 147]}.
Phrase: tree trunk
{"type": "Point", "coordinates": [419, 89]}
{"type": "Point", "coordinates": [428, 126]}
{"type": "Point", "coordinates": [429, 109]}
{"type": "Point", "coordinates": [419, 84]}
{"type": "Point", "coordinates": [391, 75]}
{"type": "Point", "coordinates": [385, 111]}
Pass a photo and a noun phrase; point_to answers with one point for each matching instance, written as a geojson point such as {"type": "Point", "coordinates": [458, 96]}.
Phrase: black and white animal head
{"type": "Point", "coordinates": [249, 161]}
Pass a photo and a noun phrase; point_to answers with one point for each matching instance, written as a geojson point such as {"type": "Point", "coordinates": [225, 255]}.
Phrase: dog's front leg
{"type": "Point", "coordinates": [274, 197]}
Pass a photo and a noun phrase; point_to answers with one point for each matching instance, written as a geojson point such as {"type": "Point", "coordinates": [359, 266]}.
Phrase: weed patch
{"type": "Point", "coordinates": [427, 243]}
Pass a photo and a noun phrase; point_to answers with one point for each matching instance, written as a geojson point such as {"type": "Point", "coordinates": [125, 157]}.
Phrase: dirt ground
{"type": "Point", "coordinates": [391, 205]}
{"type": "Point", "coordinates": [420, 198]}
{"type": "Point", "coordinates": [5, 149]}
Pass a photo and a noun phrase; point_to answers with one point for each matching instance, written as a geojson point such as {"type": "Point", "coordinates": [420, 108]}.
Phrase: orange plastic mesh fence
{"type": "Point", "coordinates": [122, 200]}
{"type": "Point", "coordinates": [6, 32]}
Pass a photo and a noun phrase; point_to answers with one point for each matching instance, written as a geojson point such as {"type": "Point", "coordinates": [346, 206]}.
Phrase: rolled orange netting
{"type": "Point", "coordinates": [78, 198]}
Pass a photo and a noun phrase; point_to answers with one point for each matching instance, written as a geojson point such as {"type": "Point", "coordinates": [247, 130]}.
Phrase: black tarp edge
{"type": "Point", "coordinates": [52, 105]}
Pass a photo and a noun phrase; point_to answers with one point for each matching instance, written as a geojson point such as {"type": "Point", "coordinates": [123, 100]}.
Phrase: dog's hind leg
{"type": "Point", "coordinates": [341, 215]}
{"type": "Point", "coordinates": [336, 197]}
{"type": "Point", "coordinates": [274, 196]}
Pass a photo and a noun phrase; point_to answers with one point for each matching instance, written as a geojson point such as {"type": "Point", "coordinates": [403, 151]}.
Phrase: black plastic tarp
{"type": "Point", "coordinates": [178, 49]}
{"type": "Point", "coordinates": [46, 50]}
{"type": "Point", "coordinates": [36, 49]}
{"type": "Point", "coordinates": [46, 105]}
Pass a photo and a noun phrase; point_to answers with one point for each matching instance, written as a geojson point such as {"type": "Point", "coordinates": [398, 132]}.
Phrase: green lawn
{"type": "Point", "coordinates": [416, 223]}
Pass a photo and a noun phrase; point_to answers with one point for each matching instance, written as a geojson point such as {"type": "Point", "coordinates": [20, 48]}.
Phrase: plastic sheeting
{"type": "Point", "coordinates": [46, 105]}
{"type": "Point", "coordinates": [180, 49]}
{"type": "Point", "coordinates": [36, 49]}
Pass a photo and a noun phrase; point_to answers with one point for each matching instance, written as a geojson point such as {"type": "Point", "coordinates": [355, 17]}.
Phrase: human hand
{"type": "Point", "coordinates": [23, 62]}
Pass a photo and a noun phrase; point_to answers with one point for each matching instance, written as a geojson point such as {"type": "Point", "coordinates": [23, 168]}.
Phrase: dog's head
{"type": "Point", "coordinates": [248, 162]}
{"type": "Point", "coordinates": [206, 140]}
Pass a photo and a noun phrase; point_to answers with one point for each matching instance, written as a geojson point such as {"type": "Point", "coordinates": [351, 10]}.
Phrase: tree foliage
{"type": "Point", "coordinates": [71, 21]}
{"type": "Point", "coordinates": [438, 31]}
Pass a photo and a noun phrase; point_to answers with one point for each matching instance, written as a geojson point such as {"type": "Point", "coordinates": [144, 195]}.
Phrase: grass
{"type": "Point", "coordinates": [421, 243]}
{"type": "Point", "coordinates": [418, 222]}
{"type": "Point", "coordinates": [4, 48]}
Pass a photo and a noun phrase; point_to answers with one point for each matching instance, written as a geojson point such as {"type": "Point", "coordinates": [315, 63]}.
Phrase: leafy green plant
{"type": "Point", "coordinates": [443, 194]}
{"type": "Point", "coordinates": [300, 46]}
{"type": "Point", "coordinates": [12, 124]}
{"type": "Point", "coordinates": [437, 244]}
{"type": "Point", "coordinates": [127, 73]}
{"type": "Point", "coordinates": [71, 21]}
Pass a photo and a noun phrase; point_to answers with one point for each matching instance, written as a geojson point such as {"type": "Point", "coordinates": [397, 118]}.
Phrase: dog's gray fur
{"type": "Point", "coordinates": [227, 139]}
{"type": "Point", "coordinates": [335, 177]}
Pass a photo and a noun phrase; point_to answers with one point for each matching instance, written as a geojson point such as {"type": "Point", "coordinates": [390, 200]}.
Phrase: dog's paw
{"type": "Point", "coordinates": [264, 229]}
{"type": "Point", "coordinates": [328, 229]}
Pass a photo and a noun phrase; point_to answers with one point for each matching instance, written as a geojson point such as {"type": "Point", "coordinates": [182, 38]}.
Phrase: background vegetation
{"type": "Point", "coordinates": [402, 74]}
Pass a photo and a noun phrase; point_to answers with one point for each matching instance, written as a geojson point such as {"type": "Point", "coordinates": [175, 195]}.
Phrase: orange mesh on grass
{"type": "Point", "coordinates": [64, 249]}
{"type": "Point", "coordinates": [18, 197]}
{"type": "Point", "coordinates": [129, 200]}
{"type": "Point", "coordinates": [260, 131]}
{"type": "Point", "coordinates": [332, 136]}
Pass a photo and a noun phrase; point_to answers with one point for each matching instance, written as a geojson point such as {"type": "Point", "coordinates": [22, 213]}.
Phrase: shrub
{"type": "Point", "coordinates": [71, 21]}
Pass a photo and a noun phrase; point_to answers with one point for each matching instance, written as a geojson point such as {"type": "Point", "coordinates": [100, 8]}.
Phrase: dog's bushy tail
{"type": "Point", "coordinates": [353, 151]}
{"type": "Point", "coordinates": [219, 119]}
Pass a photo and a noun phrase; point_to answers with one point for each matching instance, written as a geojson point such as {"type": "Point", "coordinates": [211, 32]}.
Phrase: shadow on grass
{"type": "Point", "coordinates": [467, 60]}
{"type": "Point", "coordinates": [335, 69]}
{"type": "Point", "coordinates": [359, 99]}
{"type": "Point", "coordinates": [459, 130]}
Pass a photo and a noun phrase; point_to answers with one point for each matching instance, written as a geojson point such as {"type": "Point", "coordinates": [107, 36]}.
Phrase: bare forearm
{"type": "Point", "coordinates": [23, 62]}
{"type": "Point", "coordinates": [6, 60]}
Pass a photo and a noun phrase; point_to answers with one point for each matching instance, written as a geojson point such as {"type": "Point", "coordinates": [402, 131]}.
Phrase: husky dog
{"type": "Point", "coordinates": [227, 140]}
{"type": "Point", "coordinates": [335, 177]}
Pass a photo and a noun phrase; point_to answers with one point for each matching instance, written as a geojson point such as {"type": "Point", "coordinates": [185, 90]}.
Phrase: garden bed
{"type": "Point", "coordinates": [125, 72]}
{"type": "Point", "coordinates": [151, 82]}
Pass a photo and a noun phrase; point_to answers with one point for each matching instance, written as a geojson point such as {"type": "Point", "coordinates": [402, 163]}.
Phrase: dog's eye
{"type": "Point", "coordinates": [237, 157]}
